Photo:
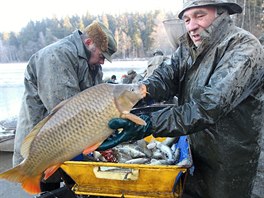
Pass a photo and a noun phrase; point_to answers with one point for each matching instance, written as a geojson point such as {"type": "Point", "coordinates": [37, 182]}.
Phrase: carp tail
{"type": "Point", "coordinates": [32, 185]}
{"type": "Point", "coordinates": [29, 184]}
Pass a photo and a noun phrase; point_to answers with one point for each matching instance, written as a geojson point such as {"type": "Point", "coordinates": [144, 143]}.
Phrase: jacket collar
{"type": "Point", "coordinates": [82, 51]}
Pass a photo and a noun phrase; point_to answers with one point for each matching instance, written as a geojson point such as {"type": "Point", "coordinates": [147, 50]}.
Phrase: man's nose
{"type": "Point", "coordinates": [101, 61]}
{"type": "Point", "coordinates": [193, 25]}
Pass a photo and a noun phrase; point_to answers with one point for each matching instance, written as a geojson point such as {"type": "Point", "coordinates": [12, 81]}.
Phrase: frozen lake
{"type": "Point", "coordinates": [12, 75]}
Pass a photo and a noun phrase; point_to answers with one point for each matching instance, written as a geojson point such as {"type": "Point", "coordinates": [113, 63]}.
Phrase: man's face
{"type": "Point", "coordinates": [198, 19]}
{"type": "Point", "coordinates": [96, 54]}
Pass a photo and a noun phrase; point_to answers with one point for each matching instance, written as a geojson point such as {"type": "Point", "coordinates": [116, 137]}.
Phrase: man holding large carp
{"type": "Point", "coordinates": [217, 73]}
{"type": "Point", "coordinates": [60, 71]}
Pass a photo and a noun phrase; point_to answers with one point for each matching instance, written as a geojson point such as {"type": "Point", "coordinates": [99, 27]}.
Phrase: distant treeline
{"type": "Point", "coordinates": [137, 34]}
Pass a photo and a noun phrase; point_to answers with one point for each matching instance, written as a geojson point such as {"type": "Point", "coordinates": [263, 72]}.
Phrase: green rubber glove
{"type": "Point", "coordinates": [130, 132]}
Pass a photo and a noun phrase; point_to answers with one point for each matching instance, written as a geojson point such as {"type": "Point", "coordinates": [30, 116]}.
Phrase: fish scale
{"type": "Point", "coordinates": [74, 125]}
{"type": "Point", "coordinates": [63, 129]}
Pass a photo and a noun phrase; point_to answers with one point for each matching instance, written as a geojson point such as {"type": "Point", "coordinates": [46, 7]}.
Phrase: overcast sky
{"type": "Point", "coordinates": [15, 14]}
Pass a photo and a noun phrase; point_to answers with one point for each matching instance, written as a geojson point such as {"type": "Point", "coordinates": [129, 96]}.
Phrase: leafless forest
{"type": "Point", "coordinates": [137, 34]}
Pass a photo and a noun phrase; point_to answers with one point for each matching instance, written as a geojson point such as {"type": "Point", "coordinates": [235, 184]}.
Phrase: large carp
{"type": "Point", "coordinates": [76, 125]}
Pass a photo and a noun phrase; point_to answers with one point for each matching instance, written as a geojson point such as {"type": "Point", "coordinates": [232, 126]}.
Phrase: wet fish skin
{"type": "Point", "coordinates": [142, 144]}
{"type": "Point", "coordinates": [169, 141]}
{"type": "Point", "coordinates": [74, 125]}
{"type": "Point", "coordinates": [176, 155]}
{"type": "Point", "coordinates": [160, 162]}
{"type": "Point", "coordinates": [133, 152]}
{"type": "Point", "coordinates": [152, 145]}
{"type": "Point", "coordinates": [98, 156]}
{"type": "Point", "coordinates": [185, 162]}
{"type": "Point", "coordinates": [165, 149]}
{"type": "Point", "coordinates": [157, 154]}
{"type": "Point", "coordinates": [141, 160]}
{"type": "Point", "coordinates": [122, 157]}
{"type": "Point", "coordinates": [162, 147]}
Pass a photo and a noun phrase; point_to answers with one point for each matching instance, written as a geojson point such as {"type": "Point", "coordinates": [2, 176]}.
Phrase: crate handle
{"type": "Point", "coordinates": [115, 173]}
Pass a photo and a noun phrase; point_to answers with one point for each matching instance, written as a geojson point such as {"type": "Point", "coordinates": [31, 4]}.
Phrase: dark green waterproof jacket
{"type": "Point", "coordinates": [220, 88]}
{"type": "Point", "coordinates": [53, 74]}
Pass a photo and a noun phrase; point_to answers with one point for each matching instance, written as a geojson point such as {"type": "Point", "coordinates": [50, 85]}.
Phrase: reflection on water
{"type": "Point", "coordinates": [11, 82]}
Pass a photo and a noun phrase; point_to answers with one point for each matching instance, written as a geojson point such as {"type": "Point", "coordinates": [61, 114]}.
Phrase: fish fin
{"type": "Point", "coordinates": [91, 148]}
{"type": "Point", "coordinates": [49, 171]}
{"type": "Point", "coordinates": [29, 184]}
{"type": "Point", "coordinates": [133, 118]}
{"type": "Point", "coordinates": [123, 104]}
{"type": "Point", "coordinates": [32, 184]}
{"type": "Point", "coordinates": [14, 175]}
{"type": "Point", "coordinates": [31, 136]}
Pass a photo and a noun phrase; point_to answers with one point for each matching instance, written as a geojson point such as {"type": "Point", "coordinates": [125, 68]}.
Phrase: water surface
{"type": "Point", "coordinates": [12, 88]}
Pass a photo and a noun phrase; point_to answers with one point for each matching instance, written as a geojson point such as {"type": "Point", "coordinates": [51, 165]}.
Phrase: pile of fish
{"type": "Point", "coordinates": [143, 152]}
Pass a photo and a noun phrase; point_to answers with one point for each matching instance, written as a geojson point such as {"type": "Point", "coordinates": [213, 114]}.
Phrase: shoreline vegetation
{"type": "Point", "coordinates": [137, 34]}
{"type": "Point", "coordinates": [113, 60]}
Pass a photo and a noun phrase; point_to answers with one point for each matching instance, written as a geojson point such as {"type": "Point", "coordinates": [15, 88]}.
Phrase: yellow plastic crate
{"type": "Point", "coordinates": [125, 180]}
{"type": "Point", "coordinates": [128, 180]}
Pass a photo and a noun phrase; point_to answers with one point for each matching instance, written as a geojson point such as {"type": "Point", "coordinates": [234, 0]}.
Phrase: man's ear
{"type": "Point", "coordinates": [88, 41]}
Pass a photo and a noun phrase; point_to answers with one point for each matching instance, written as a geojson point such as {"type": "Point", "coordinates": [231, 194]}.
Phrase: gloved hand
{"type": "Point", "coordinates": [130, 132]}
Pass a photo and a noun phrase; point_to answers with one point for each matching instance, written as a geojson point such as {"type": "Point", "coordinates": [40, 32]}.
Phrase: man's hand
{"type": "Point", "coordinates": [130, 132]}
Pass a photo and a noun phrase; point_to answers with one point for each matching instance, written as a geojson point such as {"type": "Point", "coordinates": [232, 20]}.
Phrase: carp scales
{"type": "Point", "coordinates": [77, 125]}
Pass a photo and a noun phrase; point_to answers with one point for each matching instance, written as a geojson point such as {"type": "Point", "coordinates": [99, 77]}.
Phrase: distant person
{"type": "Point", "coordinates": [127, 79]}
{"type": "Point", "coordinates": [113, 79]}
{"type": "Point", "coordinates": [60, 71]}
{"type": "Point", "coordinates": [154, 62]}
{"type": "Point", "coordinates": [137, 78]}
{"type": "Point", "coordinates": [124, 79]}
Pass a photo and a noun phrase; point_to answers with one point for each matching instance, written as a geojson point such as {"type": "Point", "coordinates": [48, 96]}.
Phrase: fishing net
{"type": "Point", "coordinates": [175, 28]}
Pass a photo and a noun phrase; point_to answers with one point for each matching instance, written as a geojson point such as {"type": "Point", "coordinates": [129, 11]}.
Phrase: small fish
{"type": "Point", "coordinates": [134, 153]}
{"type": "Point", "coordinates": [142, 145]}
{"type": "Point", "coordinates": [79, 124]}
{"type": "Point", "coordinates": [152, 145]}
{"type": "Point", "coordinates": [165, 149]}
{"type": "Point", "coordinates": [121, 157]}
{"type": "Point", "coordinates": [177, 154]}
{"type": "Point", "coordinates": [185, 162]}
{"type": "Point", "coordinates": [99, 157]}
{"type": "Point", "coordinates": [138, 161]}
{"type": "Point", "coordinates": [162, 147]}
{"type": "Point", "coordinates": [169, 141]}
{"type": "Point", "coordinates": [159, 162]}
{"type": "Point", "coordinates": [157, 154]}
